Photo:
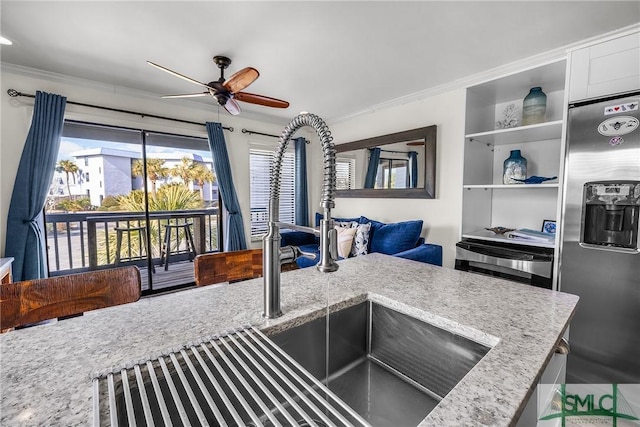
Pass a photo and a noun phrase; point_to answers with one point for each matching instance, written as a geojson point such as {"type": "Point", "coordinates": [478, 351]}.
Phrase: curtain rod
{"type": "Point", "coordinates": [253, 132]}
{"type": "Point", "coordinates": [14, 93]}
{"type": "Point", "coordinates": [396, 152]}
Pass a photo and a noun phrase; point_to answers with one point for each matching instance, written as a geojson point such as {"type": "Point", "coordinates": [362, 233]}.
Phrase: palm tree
{"type": "Point", "coordinates": [155, 171]}
{"type": "Point", "coordinates": [201, 175]}
{"type": "Point", "coordinates": [183, 170]}
{"type": "Point", "coordinates": [68, 167]}
{"type": "Point", "coordinates": [170, 197]}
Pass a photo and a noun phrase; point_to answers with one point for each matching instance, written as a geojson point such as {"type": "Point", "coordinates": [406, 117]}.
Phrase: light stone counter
{"type": "Point", "coordinates": [46, 371]}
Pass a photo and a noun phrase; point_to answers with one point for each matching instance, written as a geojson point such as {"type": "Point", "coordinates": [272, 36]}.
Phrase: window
{"type": "Point", "coordinates": [345, 176]}
{"type": "Point", "coordinates": [119, 190]}
{"type": "Point", "coordinates": [392, 173]}
{"type": "Point", "coordinates": [260, 174]}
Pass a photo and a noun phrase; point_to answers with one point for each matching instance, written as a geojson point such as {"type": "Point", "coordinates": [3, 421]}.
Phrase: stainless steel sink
{"type": "Point", "coordinates": [389, 367]}
{"type": "Point", "coordinates": [375, 366]}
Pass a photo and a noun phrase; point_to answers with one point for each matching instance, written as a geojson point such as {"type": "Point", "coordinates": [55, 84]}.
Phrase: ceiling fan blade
{"type": "Point", "coordinates": [232, 107]}
{"type": "Point", "coordinates": [252, 98]}
{"type": "Point", "coordinates": [186, 95]}
{"type": "Point", "coordinates": [416, 143]}
{"type": "Point", "coordinates": [241, 79]}
{"type": "Point", "coordinates": [189, 79]}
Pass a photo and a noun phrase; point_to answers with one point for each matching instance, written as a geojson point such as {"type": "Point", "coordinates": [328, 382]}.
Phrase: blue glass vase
{"type": "Point", "coordinates": [515, 167]}
{"type": "Point", "coordinates": [534, 107]}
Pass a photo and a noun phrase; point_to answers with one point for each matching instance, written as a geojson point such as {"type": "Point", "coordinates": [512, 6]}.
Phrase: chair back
{"type": "Point", "coordinates": [33, 301]}
{"type": "Point", "coordinates": [231, 266]}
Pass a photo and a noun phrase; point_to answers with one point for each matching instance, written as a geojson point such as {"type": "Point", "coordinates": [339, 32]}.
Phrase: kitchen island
{"type": "Point", "coordinates": [46, 370]}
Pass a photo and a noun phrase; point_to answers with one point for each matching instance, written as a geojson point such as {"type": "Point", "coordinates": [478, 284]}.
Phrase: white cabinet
{"type": "Point", "coordinates": [546, 394]}
{"type": "Point", "coordinates": [605, 68]}
{"type": "Point", "coordinates": [487, 202]}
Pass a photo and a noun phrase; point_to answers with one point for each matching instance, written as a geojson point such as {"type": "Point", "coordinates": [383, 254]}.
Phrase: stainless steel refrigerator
{"type": "Point", "coordinates": [599, 254]}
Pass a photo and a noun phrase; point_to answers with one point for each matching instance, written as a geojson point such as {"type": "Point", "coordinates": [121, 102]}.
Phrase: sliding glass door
{"type": "Point", "coordinates": [131, 197]}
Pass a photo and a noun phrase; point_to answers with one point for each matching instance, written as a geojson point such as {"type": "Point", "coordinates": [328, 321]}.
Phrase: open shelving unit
{"type": "Point", "coordinates": [487, 202]}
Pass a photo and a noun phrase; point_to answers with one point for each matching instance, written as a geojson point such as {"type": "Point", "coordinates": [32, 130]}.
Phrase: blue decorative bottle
{"type": "Point", "coordinates": [534, 107]}
{"type": "Point", "coordinates": [514, 167]}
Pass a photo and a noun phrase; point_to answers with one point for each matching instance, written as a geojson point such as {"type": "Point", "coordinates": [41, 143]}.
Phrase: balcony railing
{"type": "Point", "coordinates": [87, 240]}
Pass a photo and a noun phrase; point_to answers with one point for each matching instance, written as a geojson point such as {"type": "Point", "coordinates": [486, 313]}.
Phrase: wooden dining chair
{"type": "Point", "coordinates": [231, 266]}
{"type": "Point", "coordinates": [33, 301]}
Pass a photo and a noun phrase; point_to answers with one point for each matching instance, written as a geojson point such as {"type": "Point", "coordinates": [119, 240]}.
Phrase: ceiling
{"type": "Point", "coordinates": [331, 58]}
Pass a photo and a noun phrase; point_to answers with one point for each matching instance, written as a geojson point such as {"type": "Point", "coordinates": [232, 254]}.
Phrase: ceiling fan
{"type": "Point", "coordinates": [228, 92]}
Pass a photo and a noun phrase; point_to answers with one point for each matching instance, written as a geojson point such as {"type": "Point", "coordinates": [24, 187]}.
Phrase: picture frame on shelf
{"type": "Point", "coordinates": [549, 226]}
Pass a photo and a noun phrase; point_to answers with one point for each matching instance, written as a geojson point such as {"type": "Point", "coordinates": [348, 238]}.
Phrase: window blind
{"type": "Point", "coordinates": [345, 176]}
{"type": "Point", "coordinates": [260, 174]}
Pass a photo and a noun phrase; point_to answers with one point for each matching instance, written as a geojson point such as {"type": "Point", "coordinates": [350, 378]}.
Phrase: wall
{"type": "Point", "coordinates": [441, 216]}
{"type": "Point", "coordinates": [15, 117]}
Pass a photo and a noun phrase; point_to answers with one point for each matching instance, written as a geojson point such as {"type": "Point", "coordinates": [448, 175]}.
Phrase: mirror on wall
{"type": "Point", "coordinates": [398, 165]}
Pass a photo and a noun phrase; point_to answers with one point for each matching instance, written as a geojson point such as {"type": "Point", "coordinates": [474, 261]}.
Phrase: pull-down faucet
{"type": "Point", "coordinates": [273, 256]}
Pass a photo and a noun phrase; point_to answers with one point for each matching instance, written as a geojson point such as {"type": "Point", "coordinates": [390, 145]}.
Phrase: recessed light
{"type": "Point", "coordinates": [304, 112]}
{"type": "Point", "coordinates": [6, 41]}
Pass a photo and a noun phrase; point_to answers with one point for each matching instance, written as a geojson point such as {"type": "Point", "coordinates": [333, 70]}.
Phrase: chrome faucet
{"type": "Point", "coordinates": [273, 255]}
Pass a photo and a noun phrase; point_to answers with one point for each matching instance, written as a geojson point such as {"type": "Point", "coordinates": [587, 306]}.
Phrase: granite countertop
{"type": "Point", "coordinates": [46, 371]}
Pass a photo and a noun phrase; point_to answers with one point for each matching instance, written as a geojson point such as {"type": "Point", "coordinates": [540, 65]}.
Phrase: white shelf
{"type": "Point", "coordinates": [493, 237]}
{"type": "Point", "coordinates": [511, 186]}
{"type": "Point", "coordinates": [537, 132]}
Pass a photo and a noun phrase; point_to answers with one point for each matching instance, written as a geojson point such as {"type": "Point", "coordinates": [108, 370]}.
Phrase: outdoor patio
{"type": "Point", "coordinates": [86, 241]}
{"type": "Point", "coordinates": [180, 272]}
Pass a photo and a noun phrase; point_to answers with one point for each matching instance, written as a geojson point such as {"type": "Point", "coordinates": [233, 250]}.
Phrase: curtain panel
{"type": "Point", "coordinates": [413, 162]}
{"type": "Point", "coordinates": [301, 185]}
{"type": "Point", "coordinates": [25, 237]}
{"type": "Point", "coordinates": [235, 239]}
{"type": "Point", "coordinates": [372, 169]}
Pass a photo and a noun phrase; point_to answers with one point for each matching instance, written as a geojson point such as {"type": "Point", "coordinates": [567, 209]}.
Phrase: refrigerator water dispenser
{"type": "Point", "coordinates": [610, 214]}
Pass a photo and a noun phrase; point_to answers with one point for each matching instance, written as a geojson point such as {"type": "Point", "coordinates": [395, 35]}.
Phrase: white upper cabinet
{"type": "Point", "coordinates": [606, 68]}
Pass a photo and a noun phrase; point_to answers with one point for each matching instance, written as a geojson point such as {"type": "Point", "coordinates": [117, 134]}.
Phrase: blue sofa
{"type": "Point", "coordinates": [401, 239]}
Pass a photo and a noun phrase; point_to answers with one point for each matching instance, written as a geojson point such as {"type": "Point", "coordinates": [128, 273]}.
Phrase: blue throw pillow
{"type": "Point", "coordinates": [393, 238]}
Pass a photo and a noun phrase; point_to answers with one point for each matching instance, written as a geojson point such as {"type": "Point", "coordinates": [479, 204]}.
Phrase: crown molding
{"type": "Point", "coordinates": [51, 76]}
{"type": "Point", "coordinates": [65, 79]}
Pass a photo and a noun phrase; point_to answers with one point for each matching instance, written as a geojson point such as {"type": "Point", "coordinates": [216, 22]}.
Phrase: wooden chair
{"type": "Point", "coordinates": [232, 266]}
{"type": "Point", "coordinates": [32, 301]}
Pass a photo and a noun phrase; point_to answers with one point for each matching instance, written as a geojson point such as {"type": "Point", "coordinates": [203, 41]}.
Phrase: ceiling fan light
{"type": "Point", "coordinates": [222, 99]}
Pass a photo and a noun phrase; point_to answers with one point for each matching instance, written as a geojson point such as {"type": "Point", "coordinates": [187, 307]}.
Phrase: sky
{"type": "Point", "coordinates": [71, 145]}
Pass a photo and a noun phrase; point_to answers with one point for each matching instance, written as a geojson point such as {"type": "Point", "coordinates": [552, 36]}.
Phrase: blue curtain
{"type": "Point", "coordinates": [302, 193]}
{"type": "Point", "coordinates": [413, 161]}
{"type": "Point", "coordinates": [372, 169]}
{"type": "Point", "coordinates": [25, 237]}
{"type": "Point", "coordinates": [235, 239]}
